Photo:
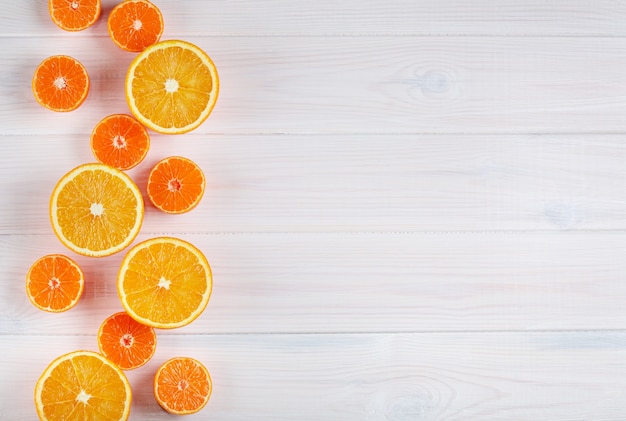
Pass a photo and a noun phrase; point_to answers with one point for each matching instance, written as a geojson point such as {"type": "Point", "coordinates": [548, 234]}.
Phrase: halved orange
{"type": "Point", "coordinates": [135, 24]}
{"type": "Point", "coordinates": [164, 282]}
{"type": "Point", "coordinates": [120, 141]}
{"type": "Point", "coordinates": [176, 185]}
{"type": "Point", "coordinates": [126, 342]}
{"type": "Point", "coordinates": [182, 385]}
{"type": "Point", "coordinates": [96, 210]}
{"type": "Point", "coordinates": [172, 86]}
{"type": "Point", "coordinates": [60, 83]}
{"type": "Point", "coordinates": [74, 15]}
{"type": "Point", "coordinates": [83, 385]}
{"type": "Point", "coordinates": [54, 283]}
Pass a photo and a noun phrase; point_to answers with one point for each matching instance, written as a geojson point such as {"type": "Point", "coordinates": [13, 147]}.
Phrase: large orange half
{"type": "Point", "coordinates": [96, 210]}
{"type": "Point", "coordinates": [172, 86]}
{"type": "Point", "coordinates": [83, 385]}
{"type": "Point", "coordinates": [164, 282]}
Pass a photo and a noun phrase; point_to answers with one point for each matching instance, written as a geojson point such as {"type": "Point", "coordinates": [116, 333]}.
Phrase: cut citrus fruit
{"type": "Point", "coordinates": [120, 141]}
{"type": "Point", "coordinates": [126, 342]}
{"type": "Point", "coordinates": [82, 385]}
{"type": "Point", "coordinates": [60, 83]}
{"type": "Point", "coordinates": [182, 386]}
{"type": "Point", "coordinates": [96, 210]}
{"type": "Point", "coordinates": [74, 15]}
{"type": "Point", "coordinates": [54, 283]}
{"type": "Point", "coordinates": [175, 185]}
{"type": "Point", "coordinates": [164, 282]}
{"type": "Point", "coordinates": [172, 86]}
{"type": "Point", "coordinates": [135, 24]}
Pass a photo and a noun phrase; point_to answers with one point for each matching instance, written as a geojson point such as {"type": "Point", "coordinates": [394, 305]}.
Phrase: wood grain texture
{"type": "Point", "coordinates": [354, 182]}
{"type": "Point", "coordinates": [360, 282]}
{"type": "Point", "coordinates": [377, 377]}
{"type": "Point", "coordinates": [415, 209]}
{"type": "Point", "coordinates": [388, 85]}
{"type": "Point", "coordinates": [369, 17]}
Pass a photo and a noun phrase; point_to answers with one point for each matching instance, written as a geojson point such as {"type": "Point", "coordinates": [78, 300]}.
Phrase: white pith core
{"type": "Point", "coordinates": [119, 142]}
{"type": "Point", "coordinates": [97, 209]}
{"type": "Point", "coordinates": [137, 25]}
{"type": "Point", "coordinates": [54, 282]}
{"type": "Point", "coordinates": [74, 5]}
{"type": "Point", "coordinates": [60, 83]}
{"type": "Point", "coordinates": [164, 283]}
{"type": "Point", "coordinates": [171, 85]}
{"type": "Point", "coordinates": [127, 340]}
{"type": "Point", "coordinates": [83, 397]}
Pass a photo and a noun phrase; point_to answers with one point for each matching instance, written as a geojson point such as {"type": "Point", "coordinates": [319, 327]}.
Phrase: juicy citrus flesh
{"type": "Point", "coordinates": [176, 185]}
{"type": "Point", "coordinates": [96, 210]}
{"type": "Point", "coordinates": [182, 386]}
{"type": "Point", "coordinates": [83, 385]}
{"type": "Point", "coordinates": [60, 83]}
{"type": "Point", "coordinates": [126, 342]}
{"type": "Point", "coordinates": [135, 24]}
{"type": "Point", "coordinates": [74, 15]}
{"type": "Point", "coordinates": [54, 283]}
{"type": "Point", "coordinates": [172, 87]}
{"type": "Point", "coordinates": [164, 282]}
{"type": "Point", "coordinates": [120, 141]}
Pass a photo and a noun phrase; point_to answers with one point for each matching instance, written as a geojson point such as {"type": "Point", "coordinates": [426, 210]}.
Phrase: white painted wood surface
{"type": "Point", "coordinates": [416, 210]}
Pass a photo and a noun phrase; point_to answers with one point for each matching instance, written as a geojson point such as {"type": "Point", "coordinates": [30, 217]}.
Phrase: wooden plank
{"type": "Point", "coordinates": [327, 17]}
{"type": "Point", "coordinates": [336, 183]}
{"type": "Point", "coordinates": [538, 376]}
{"type": "Point", "coordinates": [360, 282]}
{"type": "Point", "coordinates": [387, 85]}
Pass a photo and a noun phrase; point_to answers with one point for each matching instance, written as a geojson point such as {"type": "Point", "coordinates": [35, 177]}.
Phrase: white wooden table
{"type": "Point", "coordinates": [416, 209]}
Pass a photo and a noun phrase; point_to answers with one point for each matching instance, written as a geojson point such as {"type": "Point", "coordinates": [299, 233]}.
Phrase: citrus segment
{"type": "Point", "coordinates": [135, 24]}
{"type": "Point", "coordinates": [164, 282]}
{"type": "Point", "coordinates": [182, 386]}
{"type": "Point", "coordinates": [96, 210]}
{"type": "Point", "coordinates": [54, 283]}
{"type": "Point", "coordinates": [172, 87]}
{"type": "Point", "coordinates": [176, 185]}
{"type": "Point", "coordinates": [126, 342]}
{"type": "Point", "coordinates": [82, 385]}
{"type": "Point", "coordinates": [120, 141]}
{"type": "Point", "coordinates": [74, 15]}
{"type": "Point", "coordinates": [60, 83]}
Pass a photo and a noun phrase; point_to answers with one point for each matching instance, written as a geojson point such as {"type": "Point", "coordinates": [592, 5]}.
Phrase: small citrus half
{"type": "Point", "coordinates": [182, 385]}
{"type": "Point", "coordinates": [54, 283]}
{"type": "Point", "coordinates": [135, 24]}
{"type": "Point", "coordinates": [120, 141]}
{"type": "Point", "coordinates": [60, 83]}
{"type": "Point", "coordinates": [176, 185]}
{"type": "Point", "coordinates": [126, 342]}
{"type": "Point", "coordinates": [74, 15]}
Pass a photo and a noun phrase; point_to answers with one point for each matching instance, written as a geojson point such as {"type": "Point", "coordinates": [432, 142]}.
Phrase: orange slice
{"type": "Point", "coordinates": [60, 83]}
{"type": "Point", "coordinates": [126, 342]}
{"type": "Point", "coordinates": [172, 87]}
{"type": "Point", "coordinates": [135, 24]}
{"type": "Point", "coordinates": [96, 210]}
{"type": "Point", "coordinates": [82, 385]}
{"type": "Point", "coordinates": [74, 15]}
{"type": "Point", "coordinates": [54, 283]}
{"type": "Point", "coordinates": [182, 386]}
{"type": "Point", "coordinates": [176, 185]}
{"type": "Point", "coordinates": [164, 282]}
{"type": "Point", "coordinates": [120, 141]}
